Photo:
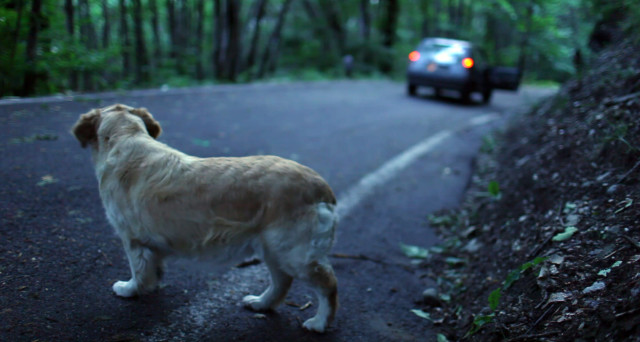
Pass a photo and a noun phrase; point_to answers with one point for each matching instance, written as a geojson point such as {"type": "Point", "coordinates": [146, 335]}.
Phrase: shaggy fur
{"type": "Point", "coordinates": [163, 202]}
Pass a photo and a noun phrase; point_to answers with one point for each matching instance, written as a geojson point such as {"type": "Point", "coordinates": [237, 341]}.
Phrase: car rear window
{"type": "Point", "coordinates": [452, 49]}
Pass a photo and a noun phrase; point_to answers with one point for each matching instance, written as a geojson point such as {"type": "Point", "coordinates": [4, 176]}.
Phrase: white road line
{"type": "Point", "coordinates": [352, 197]}
{"type": "Point", "coordinates": [193, 320]}
{"type": "Point", "coordinates": [388, 170]}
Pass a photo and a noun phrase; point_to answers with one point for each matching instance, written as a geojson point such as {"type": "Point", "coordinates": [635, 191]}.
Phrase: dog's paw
{"type": "Point", "coordinates": [125, 288]}
{"type": "Point", "coordinates": [315, 324]}
{"type": "Point", "coordinates": [255, 303]}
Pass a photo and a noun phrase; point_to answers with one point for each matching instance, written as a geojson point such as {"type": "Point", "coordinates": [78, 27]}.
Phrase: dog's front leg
{"type": "Point", "coordinates": [146, 270]}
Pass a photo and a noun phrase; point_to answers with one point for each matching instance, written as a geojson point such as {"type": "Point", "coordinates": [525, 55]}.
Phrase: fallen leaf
{"type": "Point", "coordinates": [421, 313]}
{"type": "Point", "coordinates": [597, 286]}
{"type": "Point", "coordinates": [46, 180]}
{"type": "Point", "coordinates": [568, 233]}
{"type": "Point", "coordinates": [414, 251]}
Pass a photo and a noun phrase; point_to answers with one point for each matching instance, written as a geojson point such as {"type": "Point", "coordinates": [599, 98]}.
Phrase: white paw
{"type": "Point", "coordinates": [254, 303]}
{"type": "Point", "coordinates": [316, 324]}
{"type": "Point", "coordinates": [125, 288]}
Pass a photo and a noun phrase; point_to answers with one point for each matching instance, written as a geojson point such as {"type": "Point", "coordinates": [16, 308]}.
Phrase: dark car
{"type": "Point", "coordinates": [458, 65]}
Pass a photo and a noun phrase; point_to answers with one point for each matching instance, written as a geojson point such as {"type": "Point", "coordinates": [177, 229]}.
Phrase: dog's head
{"type": "Point", "coordinates": [107, 122]}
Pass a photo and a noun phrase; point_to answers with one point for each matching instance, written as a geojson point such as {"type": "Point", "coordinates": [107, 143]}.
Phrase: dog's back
{"type": "Point", "coordinates": [162, 201]}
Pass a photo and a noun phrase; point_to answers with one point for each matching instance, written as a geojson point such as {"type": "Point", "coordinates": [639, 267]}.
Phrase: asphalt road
{"type": "Point", "coordinates": [390, 159]}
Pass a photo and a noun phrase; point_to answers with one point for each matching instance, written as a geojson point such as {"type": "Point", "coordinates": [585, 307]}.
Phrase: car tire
{"type": "Point", "coordinates": [465, 96]}
{"type": "Point", "coordinates": [486, 95]}
{"type": "Point", "coordinates": [411, 89]}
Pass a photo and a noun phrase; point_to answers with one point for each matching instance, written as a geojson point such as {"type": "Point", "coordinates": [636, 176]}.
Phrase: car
{"type": "Point", "coordinates": [443, 63]}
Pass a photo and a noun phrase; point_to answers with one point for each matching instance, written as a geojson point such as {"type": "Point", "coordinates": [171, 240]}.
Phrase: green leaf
{"type": "Point", "coordinates": [414, 251]}
{"type": "Point", "coordinates": [46, 180]}
{"type": "Point", "coordinates": [422, 314]}
{"type": "Point", "coordinates": [568, 233]}
{"type": "Point", "coordinates": [494, 189]}
{"type": "Point", "coordinates": [442, 338]}
{"type": "Point", "coordinates": [515, 274]}
{"type": "Point", "coordinates": [627, 203]}
{"type": "Point", "coordinates": [478, 322]}
{"type": "Point", "coordinates": [451, 261]}
{"type": "Point", "coordinates": [494, 299]}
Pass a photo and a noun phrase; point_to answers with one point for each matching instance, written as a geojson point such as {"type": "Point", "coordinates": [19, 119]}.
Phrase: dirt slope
{"type": "Point", "coordinates": [555, 240]}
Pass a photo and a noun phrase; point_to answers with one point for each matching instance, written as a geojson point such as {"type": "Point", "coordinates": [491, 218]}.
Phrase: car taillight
{"type": "Point", "coordinates": [467, 63]}
{"type": "Point", "coordinates": [414, 56]}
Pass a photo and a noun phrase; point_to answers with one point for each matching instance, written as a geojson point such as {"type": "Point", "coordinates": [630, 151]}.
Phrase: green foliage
{"type": "Point", "coordinates": [496, 295]}
{"type": "Point", "coordinates": [494, 298]}
{"type": "Point", "coordinates": [494, 189]}
{"type": "Point", "coordinates": [541, 35]}
{"type": "Point", "coordinates": [414, 251]}
{"type": "Point", "coordinates": [421, 314]}
{"type": "Point", "coordinates": [478, 323]}
{"type": "Point", "coordinates": [567, 234]}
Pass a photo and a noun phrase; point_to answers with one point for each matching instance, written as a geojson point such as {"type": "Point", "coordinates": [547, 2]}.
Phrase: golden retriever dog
{"type": "Point", "coordinates": [163, 202]}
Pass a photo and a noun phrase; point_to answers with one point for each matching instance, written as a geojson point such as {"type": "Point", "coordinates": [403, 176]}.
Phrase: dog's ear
{"type": "Point", "coordinates": [86, 128]}
{"type": "Point", "coordinates": [153, 126]}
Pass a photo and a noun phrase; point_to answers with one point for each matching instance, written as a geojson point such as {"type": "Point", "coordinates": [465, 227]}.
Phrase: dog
{"type": "Point", "coordinates": [163, 202]}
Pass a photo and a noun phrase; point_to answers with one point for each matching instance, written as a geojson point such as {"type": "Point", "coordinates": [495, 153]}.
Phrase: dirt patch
{"type": "Point", "coordinates": [547, 244]}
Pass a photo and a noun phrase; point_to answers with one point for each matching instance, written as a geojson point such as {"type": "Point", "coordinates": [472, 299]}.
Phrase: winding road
{"type": "Point", "coordinates": [391, 160]}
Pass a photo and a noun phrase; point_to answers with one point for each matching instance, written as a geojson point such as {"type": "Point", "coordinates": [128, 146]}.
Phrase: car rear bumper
{"type": "Point", "coordinates": [445, 82]}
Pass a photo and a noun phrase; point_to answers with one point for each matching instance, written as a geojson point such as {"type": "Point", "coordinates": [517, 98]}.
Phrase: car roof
{"type": "Point", "coordinates": [446, 41]}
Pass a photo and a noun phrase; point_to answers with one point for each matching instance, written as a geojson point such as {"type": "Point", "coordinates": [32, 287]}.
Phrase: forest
{"type": "Point", "coordinates": [61, 46]}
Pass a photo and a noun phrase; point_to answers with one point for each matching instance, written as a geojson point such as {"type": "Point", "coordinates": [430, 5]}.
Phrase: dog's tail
{"type": "Point", "coordinates": [323, 234]}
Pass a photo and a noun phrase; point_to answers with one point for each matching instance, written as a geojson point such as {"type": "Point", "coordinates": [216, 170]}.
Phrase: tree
{"type": "Point", "coordinates": [124, 38]}
{"type": "Point", "coordinates": [199, 39]}
{"type": "Point", "coordinates": [389, 25]}
{"type": "Point", "coordinates": [270, 54]}
{"type": "Point", "coordinates": [106, 27]}
{"type": "Point", "coordinates": [253, 48]}
{"type": "Point", "coordinates": [155, 29]}
{"type": "Point", "coordinates": [232, 52]}
{"type": "Point", "coordinates": [89, 39]}
{"type": "Point", "coordinates": [142, 62]}
{"type": "Point", "coordinates": [29, 85]}
{"type": "Point", "coordinates": [218, 35]}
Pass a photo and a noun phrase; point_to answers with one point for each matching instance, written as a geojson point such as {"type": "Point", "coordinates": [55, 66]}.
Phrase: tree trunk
{"type": "Point", "coordinates": [524, 42]}
{"type": "Point", "coordinates": [89, 39]}
{"type": "Point", "coordinates": [171, 17]}
{"type": "Point", "coordinates": [142, 62]}
{"type": "Point", "coordinates": [390, 23]}
{"type": "Point", "coordinates": [269, 56]}
{"type": "Point", "coordinates": [365, 21]}
{"type": "Point", "coordinates": [425, 9]}
{"type": "Point", "coordinates": [233, 48]}
{"type": "Point", "coordinates": [70, 24]}
{"type": "Point", "coordinates": [157, 45]}
{"type": "Point", "coordinates": [6, 82]}
{"type": "Point", "coordinates": [106, 27]}
{"type": "Point", "coordinates": [389, 31]}
{"type": "Point", "coordinates": [29, 85]}
{"type": "Point", "coordinates": [251, 57]}
{"type": "Point", "coordinates": [124, 37]}
{"type": "Point", "coordinates": [199, 39]}
{"type": "Point", "coordinates": [218, 35]}
{"type": "Point", "coordinates": [332, 17]}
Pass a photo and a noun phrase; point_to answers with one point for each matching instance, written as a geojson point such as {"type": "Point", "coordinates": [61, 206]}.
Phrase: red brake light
{"type": "Point", "coordinates": [414, 56]}
{"type": "Point", "coordinates": [467, 63]}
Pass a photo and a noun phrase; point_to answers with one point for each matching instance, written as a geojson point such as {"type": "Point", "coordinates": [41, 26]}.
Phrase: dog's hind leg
{"type": "Point", "coordinates": [323, 280]}
{"type": "Point", "coordinates": [276, 292]}
{"type": "Point", "coordinates": [146, 270]}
